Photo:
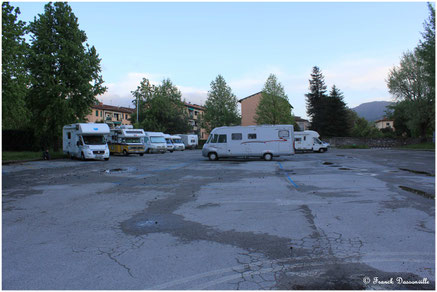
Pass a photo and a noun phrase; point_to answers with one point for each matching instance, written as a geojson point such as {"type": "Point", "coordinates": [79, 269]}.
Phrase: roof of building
{"type": "Point", "coordinates": [249, 96]}
{"type": "Point", "coordinates": [196, 106]}
{"type": "Point", "coordinates": [384, 119]}
{"type": "Point", "coordinates": [299, 119]}
{"type": "Point", "coordinates": [122, 109]}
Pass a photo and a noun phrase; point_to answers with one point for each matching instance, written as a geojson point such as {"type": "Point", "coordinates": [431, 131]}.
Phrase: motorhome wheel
{"type": "Point", "coordinates": [322, 150]}
{"type": "Point", "coordinates": [82, 157]}
{"type": "Point", "coordinates": [268, 156]}
{"type": "Point", "coordinates": [125, 152]}
{"type": "Point", "coordinates": [212, 156]}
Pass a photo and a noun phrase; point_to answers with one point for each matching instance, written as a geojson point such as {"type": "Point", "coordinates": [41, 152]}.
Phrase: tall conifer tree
{"type": "Point", "coordinates": [316, 99]}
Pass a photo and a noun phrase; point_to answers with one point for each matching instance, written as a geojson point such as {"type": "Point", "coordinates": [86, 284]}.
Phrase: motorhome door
{"type": "Point", "coordinates": [285, 143]}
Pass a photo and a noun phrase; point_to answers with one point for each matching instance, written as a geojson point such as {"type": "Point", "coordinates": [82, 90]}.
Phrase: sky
{"type": "Point", "coordinates": [353, 43]}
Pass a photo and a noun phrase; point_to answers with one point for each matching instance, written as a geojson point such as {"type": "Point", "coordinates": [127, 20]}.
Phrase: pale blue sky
{"type": "Point", "coordinates": [354, 44]}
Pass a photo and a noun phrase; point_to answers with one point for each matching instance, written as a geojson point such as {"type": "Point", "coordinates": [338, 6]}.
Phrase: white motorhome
{"type": "Point", "coordinates": [126, 140]}
{"type": "Point", "coordinates": [177, 143]}
{"type": "Point", "coordinates": [85, 141]}
{"type": "Point", "coordinates": [155, 142]}
{"type": "Point", "coordinates": [170, 146]}
{"type": "Point", "coordinates": [309, 141]}
{"type": "Point", "coordinates": [190, 140]}
{"type": "Point", "coordinates": [265, 141]}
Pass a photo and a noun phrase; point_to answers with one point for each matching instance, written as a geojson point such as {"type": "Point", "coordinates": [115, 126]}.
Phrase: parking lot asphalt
{"type": "Point", "coordinates": [345, 219]}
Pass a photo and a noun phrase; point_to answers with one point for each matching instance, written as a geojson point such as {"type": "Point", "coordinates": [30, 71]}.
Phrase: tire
{"type": "Point", "coordinates": [141, 154]}
{"type": "Point", "coordinates": [171, 151]}
{"type": "Point", "coordinates": [106, 159]}
{"type": "Point", "coordinates": [125, 152]}
{"type": "Point", "coordinates": [212, 156]}
{"type": "Point", "coordinates": [321, 150]}
{"type": "Point", "coordinates": [82, 157]}
{"type": "Point", "coordinates": [268, 157]}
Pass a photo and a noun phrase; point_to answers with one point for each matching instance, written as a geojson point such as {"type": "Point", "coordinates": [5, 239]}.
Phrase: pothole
{"type": "Point", "coordinates": [119, 170]}
{"type": "Point", "coordinates": [417, 172]}
{"type": "Point", "coordinates": [418, 192]}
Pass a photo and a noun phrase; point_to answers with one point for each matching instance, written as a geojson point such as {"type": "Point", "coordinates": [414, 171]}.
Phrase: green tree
{"type": "Point", "coordinates": [408, 83]}
{"type": "Point", "coordinates": [221, 106]}
{"type": "Point", "coordinates": [15, 80]}
{"type": "Point", "coordinates": [335, 123]}
{"type": "Point", "coordinates": [65, 73]}
{"type": "Point", "coordinates": [315, 100]}
{"type": "Point", "coordinates": [398, 112]}
{"type": "Point", "coordinates": [412, 85]}
{"type": "Point", "coordinates": [274, 107]}
{"type": "Point", "coordinates": [161, 108]}
{"type": "Point", "coordinates": [426, 52]}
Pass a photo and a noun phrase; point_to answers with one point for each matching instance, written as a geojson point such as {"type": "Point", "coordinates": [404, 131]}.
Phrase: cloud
{"type": "Point", "coordinates": [119, 93]}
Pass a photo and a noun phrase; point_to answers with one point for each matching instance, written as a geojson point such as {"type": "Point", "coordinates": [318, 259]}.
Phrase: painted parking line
{"type": "Point", "coordinates": [288, 176]}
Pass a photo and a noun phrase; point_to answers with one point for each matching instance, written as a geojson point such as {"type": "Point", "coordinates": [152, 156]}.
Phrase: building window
{"type": "Point", "coordinates": [251, 136]}
{"type": "Point", "coordinates": [237, 136]}
{"type": "Point", "coordinates": [101, 113]}
{"type": "Point", "coordinates": [195, 113]}
{"type": "Point", "coordinates": [97, 113]}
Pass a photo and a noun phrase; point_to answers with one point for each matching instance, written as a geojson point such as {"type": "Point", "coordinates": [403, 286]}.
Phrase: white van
{"type": "Point", "coordinates": [190, 140]}
{"type": "Point", "coordinates": [155, 142]}
{"type": "Point", "coordinates": [264, 141]}
{"type": "Point", "coordinates": [170, 146]}
{"type": "Point", "coordinates": [309, 141]}
{"type": "Point", "coordinates": [177, 143]}
{"type": "Point", "coordinates": [85, 141]}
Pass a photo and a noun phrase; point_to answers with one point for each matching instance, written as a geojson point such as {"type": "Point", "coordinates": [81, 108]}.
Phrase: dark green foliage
{"type": "Point", "coordinates": [315, 100]}
{"type": "Point", "coordinates": [19, 140]}
{"type": "Point", "coordinates": [412, 85]}
{"type": "Point", "coordinates": [398, 112]}
{"type": "Point", "coordinates": [274, 107]}
{"type": "Point", "coordinates": [160, 108]}
{"type": "Point", "coordinates": [360, 127]}
{"type": "Point", "coordinates": [65, 72]}
{"type": "Point", "coordinates": [335, 122]}
{"type": "Point", "coordinates": [15, 79]}
{"type": "Point", "coordinates": [221, 107]}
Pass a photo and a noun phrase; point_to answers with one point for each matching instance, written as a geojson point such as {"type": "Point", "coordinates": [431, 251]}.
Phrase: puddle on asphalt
{"type": "Point", "coordinates": [327, 163]}
{"type": "Point", "coordinates": [418, 192]}
{"type": "Point", "coordinates": [208, 205]}
{"type": "Point", "coordinates": [417, 172]}
{"type": "Point", "coordinates": [344, 168]}
{"type": "Point", "coordinates": [119, 170]}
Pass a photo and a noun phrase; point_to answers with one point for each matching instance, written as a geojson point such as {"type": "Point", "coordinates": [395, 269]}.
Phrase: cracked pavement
{"type": "Point", "coordinates": [179, 221]}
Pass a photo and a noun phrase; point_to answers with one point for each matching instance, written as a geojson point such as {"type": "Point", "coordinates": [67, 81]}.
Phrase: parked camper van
{"type": "Point", "coordinates": [155, 142]}
{"type": "Point", "coordinates": [190, 140]}
{"type": "Point", "coordinates": [177, 143]}
{"type": "Point", "coordinates": [309, 141]}
{"type": "Point", "coordinates": [264, 141]}
{"type": "Point", "coordinates": [85, 141]}
{"type": "Point", "coordinates": [126, 140]}
{"type": "Point", "coordinates": [170, 146]}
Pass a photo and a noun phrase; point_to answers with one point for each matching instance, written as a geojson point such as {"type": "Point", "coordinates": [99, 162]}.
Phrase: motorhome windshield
{"type": "Point", "coordinates": [177, 141]}
{"type": "Point", "coordinates": [317, 141]}
{"type": "Point", "coordinates": [131, 140]}
{"type": "Point", "coordinates": [157, 139]}
{"type": "Point", "coordinates": [94, 140]}
{"type": "Point", "coordinates": [168, 141]}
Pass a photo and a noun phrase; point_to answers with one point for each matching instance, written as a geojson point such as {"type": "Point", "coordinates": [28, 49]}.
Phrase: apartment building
{"type": "Point", "coordinates": [112, 115]}
{"type": "Point", "coordinates": [195, 113]}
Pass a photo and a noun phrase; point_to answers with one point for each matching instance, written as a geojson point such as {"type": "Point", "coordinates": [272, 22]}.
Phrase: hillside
{"type": "Point", "coordinates": [372, 111]}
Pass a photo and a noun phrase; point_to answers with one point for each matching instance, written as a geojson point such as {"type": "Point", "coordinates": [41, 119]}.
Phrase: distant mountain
{"type": "Point", "coordinates": [372, 111]}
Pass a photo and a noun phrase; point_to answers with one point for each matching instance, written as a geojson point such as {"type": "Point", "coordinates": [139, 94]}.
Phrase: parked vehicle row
{"type": "Point", "coordinates": [98, 141]}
